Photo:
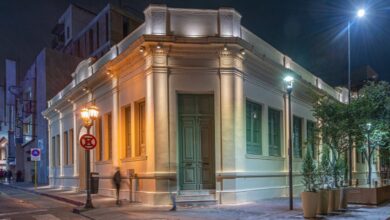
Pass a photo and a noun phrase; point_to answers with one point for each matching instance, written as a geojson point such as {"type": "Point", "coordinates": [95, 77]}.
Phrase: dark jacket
{"type": "Point", "coordinates": [117, 178]}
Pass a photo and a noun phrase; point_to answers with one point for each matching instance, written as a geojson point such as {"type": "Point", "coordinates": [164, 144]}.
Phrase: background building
{"type": "Point", "coordinates": [78, 34]}
{"type": "Point", "coordinates": [82, 33]}
{"type": "Point", "coordinates": [49, 72]}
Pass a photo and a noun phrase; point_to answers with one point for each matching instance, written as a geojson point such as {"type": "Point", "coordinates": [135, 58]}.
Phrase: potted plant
{"type": "Point", "coordinates": [338, 168]}
{"type": "Point", "coordinates": [324, 173]}
{"type": "Point", "coordinates": [309, 196]}
{"type": "Point", "coordinates": [341, 202]}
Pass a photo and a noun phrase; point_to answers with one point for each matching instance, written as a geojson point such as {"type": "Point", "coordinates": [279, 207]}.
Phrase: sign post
{"type": "Point", "coordinates": [35, 156]}
{"type": "Point", "coordinates": [88, 141]}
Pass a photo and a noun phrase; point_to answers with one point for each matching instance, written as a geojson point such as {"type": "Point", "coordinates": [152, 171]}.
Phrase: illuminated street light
{"type": "Point", "coordinates": [289, 80]}
{"type": "Point", "coordinates": [88, 115]}
{"type": "Point", "coordinates": [361, 13]}
{"type": "Point", "coordinates": [93, 112]}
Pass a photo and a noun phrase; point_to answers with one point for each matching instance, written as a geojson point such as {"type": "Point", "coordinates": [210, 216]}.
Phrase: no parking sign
{"type": "Point", "coordinates": [35, 154]}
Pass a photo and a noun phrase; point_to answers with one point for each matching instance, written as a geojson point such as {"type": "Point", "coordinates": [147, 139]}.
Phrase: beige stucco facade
{"type": "Point", "coordinates": [183, 51]}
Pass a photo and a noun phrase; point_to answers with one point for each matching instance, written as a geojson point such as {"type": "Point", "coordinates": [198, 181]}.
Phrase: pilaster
{"type": "Point", "coordinates": [75, 142]}
{"type": "Point", "coordinates": [61, 147]}
{"type": "Point", "coordinates": [232, 110]}
{"type": "Point", "coordinates": [115, 123]}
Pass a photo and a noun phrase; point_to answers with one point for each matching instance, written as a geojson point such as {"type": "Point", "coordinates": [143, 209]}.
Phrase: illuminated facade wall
{"type": "Point", "coordinates": [137, 85]}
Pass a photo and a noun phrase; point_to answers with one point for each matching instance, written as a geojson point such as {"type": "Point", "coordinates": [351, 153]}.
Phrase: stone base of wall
{"type": "Point", "coordinates": [163, 197]}
{"type": "Point", "coordinates": [252, 195]}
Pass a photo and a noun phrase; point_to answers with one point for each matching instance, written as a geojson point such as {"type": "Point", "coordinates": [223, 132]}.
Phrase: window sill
{"type": "Point", "coordinates": [103, 162]}
{"type": "Point", "coordinates": [263, 157]}
{"type": "Point", "coordinates": [132, 159]}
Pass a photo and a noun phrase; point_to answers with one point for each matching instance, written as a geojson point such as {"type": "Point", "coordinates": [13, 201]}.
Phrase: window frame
{"type": "Point", "coordinates": [100, 139]}
{"type": "Point", "coordinates": [253, 147]}
{"type": "Point", "coordinates": [58, 152]}
{"type": "Point", "coordinates": [140, 130]}
{"type": "Point", "coordinates": [313, 147]}
{"type": "Point", "coordinates": [295, 118]}
{"type": "Point", "coordinates": [53, 153]}
{"type": "Point", "coordinates": [71, 146]}
{"type": "Point", "coordinates": [66, 147]}
{"type": "Point", "coordinates": [127, 120]}
{"type": "Point", "coordinates": [274, 132]}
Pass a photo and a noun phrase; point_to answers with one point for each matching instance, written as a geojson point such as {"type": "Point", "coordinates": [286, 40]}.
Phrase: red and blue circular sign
{"type": "Point", "coordinates": [88, 141]}
{"type": "Point", "coordinates": [35, 152]}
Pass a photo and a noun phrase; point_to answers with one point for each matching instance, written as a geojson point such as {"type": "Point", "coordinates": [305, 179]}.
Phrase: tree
{"type": "Point", "coordinates": [324, 167]}
{"type": "Point", "coordinates": [334, 127]}
{"type": "Point", "coordinates": [309, 172]}
{"type": "Point", "coordinates": [371, 112]}
{"type": "Point", "coordinates": [341, 124]}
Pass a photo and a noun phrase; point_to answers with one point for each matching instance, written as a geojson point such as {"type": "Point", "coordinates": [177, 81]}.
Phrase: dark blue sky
{"type": "Point", "coordinates": [311, 32]}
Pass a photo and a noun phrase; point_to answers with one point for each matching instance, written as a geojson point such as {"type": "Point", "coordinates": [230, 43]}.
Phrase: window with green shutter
{"type": "Point", "coordinates": [253, 128]}
{"type": "Point", "coordinates": [310, 132]}
{"type": "Point", "coordinates": [274, 129]}
{"type": "Point", "coordinates": [297, 137]}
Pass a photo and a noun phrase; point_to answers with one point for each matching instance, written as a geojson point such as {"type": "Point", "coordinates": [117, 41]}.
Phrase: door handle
{"type": "Point", "coordinates": [187, 164]}
{"type": "Point", "coordinates": [205, 163]}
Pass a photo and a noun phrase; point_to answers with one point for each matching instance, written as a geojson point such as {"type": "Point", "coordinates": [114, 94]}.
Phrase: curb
{"type": "Point", "coordinates": [59, 198]}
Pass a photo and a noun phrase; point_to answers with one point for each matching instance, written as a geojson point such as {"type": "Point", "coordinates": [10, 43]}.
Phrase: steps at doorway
{"type": "Point", "coordinates": [196, 198]}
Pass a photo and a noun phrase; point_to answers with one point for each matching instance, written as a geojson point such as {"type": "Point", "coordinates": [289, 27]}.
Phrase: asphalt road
{"type": "Point", "coordinates": [19, 204]}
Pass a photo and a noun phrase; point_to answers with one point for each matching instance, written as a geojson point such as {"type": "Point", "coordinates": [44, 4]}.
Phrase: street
{"type": "Point", "coordinates": [18, 204]}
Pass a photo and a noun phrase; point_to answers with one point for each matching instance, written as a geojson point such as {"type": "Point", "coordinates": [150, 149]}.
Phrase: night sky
{"type": "Point", "coordinates": [311, 32]}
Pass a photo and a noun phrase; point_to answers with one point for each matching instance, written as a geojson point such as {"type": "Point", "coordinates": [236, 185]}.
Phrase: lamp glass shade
{"type": "Point", "coordinates": [289, 81]}
{"type": "Point", "coordinates": [93, 112]}
{"type": "Point", "coordinates": [368, 125]}
{"type": "Point", "coordinates": [84, 113]}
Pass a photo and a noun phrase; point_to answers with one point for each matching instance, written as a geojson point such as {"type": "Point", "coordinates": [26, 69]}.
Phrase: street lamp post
{"type": "Point", "coordinates": [360, 13]}
{"type": "Point", "coordinates": [88, 115]}
{"type": "Point", "coordinates": [289, 86]}
{"type": "Point", "coordinates": [368, 127]}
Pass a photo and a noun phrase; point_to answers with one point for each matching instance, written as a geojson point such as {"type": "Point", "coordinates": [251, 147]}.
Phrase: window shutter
{"type": "Point", "coordinates": [253, 128]}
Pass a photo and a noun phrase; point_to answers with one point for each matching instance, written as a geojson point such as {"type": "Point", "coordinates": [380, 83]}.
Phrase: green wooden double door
{"type": "Point", "coordinates": [196, 142]}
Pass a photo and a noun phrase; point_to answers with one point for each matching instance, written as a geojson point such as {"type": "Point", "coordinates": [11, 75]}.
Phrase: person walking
{"type": "Point", "coordinates": [116, 179]}
{"type": "Point", "coordinates": [9, 176]}
{"type": "Point", "coordinates": [1, 175]}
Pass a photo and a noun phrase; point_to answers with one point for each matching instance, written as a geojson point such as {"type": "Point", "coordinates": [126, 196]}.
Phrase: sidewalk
{"type": "Point", "coordinates": [71, 197]}
{"type": "Point", "coordinates": [276, 208]}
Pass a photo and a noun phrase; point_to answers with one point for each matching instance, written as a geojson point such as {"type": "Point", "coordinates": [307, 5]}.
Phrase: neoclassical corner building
{"type": "Point", "coordinates": [189, 101]}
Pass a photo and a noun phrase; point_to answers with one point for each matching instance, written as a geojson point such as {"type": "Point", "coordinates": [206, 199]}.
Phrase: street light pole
{"type": "Point", "coordinates": [88, 115]}
{"type": "Point", "coordinates": [360, 13]}
{"type": "Point", "coordinates": [88, 202]}
{"type": "Point", "coordinates": [290, 181]}
{"type": "Point", "coordinates": [368, 125]}
{"type": "Point", "coordinates": [349, 100]}
{"type": "Point", "coordinates": [289, 86]}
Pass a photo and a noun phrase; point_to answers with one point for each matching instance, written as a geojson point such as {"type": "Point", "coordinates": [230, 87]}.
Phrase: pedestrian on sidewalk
{"type": "Point", "coordinates": [19, 176]}
{"type": "Point", "coordinates": [116, 179]}
{"type": "Point", "coordinates": [1, 175]}
{"type": "Point", "coordinates": [9, 176]}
